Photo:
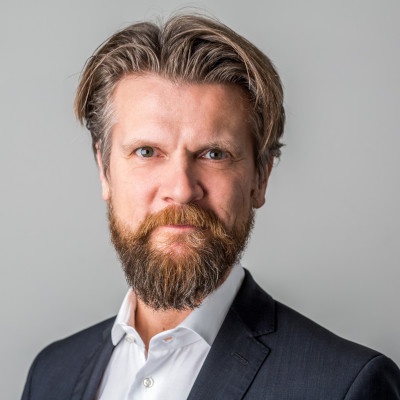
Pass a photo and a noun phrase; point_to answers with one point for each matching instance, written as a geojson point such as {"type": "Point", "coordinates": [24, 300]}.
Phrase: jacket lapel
{"type": "Point", "coordinates": [91, 374]}
{"type": "Point", "coordinates": [237, 354]}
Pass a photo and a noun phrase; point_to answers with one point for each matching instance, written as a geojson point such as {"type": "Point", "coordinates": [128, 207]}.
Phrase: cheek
{"type": "Point", "coordinates": [132, 199]}
{"type": "Point", "coordinates": [128, 182]}
{"type": "Point", "coordinates": [231, 201]}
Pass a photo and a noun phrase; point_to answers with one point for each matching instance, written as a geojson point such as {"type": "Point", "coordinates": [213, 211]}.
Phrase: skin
{"type": "Point", "coordinates": [174, 144]}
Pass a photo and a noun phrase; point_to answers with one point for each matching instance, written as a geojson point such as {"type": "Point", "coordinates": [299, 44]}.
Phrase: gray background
{"type": "Point", "coordinates": [327, 241]}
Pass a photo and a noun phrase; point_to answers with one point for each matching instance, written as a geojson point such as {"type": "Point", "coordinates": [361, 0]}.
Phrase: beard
{"type": "Point", "coordinates": [177, 271]}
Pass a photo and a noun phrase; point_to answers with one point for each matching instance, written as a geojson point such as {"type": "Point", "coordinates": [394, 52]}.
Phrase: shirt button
{"type": "Point", "coordinates": [130, 339]}
{"type": "Point", "coordinates": [148, 382]}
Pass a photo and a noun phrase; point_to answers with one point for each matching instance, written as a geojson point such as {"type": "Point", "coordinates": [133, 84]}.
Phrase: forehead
{"type": "Point", "coordinates": [142, 98]}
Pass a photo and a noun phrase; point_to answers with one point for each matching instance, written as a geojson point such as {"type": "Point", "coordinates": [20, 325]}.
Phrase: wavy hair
{"type": "Point", "coordinates": [186, 48]}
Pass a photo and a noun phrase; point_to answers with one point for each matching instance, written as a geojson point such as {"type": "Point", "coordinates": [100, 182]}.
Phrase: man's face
{"type": "Point", "coordinates": [175, 145]}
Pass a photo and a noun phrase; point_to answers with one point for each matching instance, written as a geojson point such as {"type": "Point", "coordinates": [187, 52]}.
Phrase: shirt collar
{"type": "Point", "coordinates": [205, 320]}
{"type": "Point", "coordinates": [127, 308]}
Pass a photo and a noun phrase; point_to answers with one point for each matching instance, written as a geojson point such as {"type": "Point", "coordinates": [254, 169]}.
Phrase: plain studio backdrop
{"type": "Point", "coordinates": [326, 243]}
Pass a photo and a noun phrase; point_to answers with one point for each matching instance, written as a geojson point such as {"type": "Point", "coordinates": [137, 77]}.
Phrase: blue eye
{"type": "Point", "coordinates": [145, 152]}
{"type": "Point", "coordinates": [215, 154]}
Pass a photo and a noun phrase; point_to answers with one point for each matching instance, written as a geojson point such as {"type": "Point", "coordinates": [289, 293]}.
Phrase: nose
{"type": "Point", "coordinates": [180, 182]}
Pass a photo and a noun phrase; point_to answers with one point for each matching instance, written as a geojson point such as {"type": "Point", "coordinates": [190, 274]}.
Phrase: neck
{"type": "Point", "coordinates": [149, 322]}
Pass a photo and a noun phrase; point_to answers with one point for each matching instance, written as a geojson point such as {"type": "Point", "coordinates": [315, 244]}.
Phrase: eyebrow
{"type": "Point", "coordinates": [224, 145]}
{"type": "Point", "coordinates": [135, 143]}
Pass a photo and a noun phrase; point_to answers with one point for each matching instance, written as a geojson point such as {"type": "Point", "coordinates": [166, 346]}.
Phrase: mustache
{"type": "Point", "coordinates": [187, 214]}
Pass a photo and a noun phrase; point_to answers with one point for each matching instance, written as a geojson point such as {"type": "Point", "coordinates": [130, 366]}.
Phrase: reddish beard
{"type": "Point", "coordinates": [178, 270]}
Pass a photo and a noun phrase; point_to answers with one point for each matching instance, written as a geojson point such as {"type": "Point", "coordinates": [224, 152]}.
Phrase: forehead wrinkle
{"type": "Point", "coordinates": [159, 115]}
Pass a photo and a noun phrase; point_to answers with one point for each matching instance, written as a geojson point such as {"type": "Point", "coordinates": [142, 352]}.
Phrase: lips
{"type": "Point", "coordinates": [177, 227]}
{"type": "Point", "coordinates": [181, 226]}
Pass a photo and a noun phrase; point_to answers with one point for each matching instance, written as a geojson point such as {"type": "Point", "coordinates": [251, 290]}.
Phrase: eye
{"type": "Point", "coordinates": [216, 154]}
{"type": "Point", "coordinates": [145, 152]}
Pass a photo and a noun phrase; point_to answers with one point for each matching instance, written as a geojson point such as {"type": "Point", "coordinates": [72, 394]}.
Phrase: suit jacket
{"type": "Point", "coordinates": [264, 350]}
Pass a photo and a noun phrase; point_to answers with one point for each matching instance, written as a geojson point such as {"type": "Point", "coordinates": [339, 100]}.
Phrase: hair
{"type": "Point", "coordinates": [188, 49]}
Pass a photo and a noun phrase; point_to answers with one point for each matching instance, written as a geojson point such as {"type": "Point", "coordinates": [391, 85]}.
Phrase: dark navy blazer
{"type": "Point", "coordinates": [264, 350]}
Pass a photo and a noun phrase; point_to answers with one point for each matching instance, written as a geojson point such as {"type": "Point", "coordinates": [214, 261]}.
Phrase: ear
{"type": "Point", "coordinates": [261, 187]}
{"type": "Point", "coordinates": [105, 186]}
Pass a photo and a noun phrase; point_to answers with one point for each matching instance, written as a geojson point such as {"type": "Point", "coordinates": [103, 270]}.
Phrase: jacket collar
{"type": "Point", "coordinates": [237, 353]}
{"type": "Point", "coordinates": [92, 372]}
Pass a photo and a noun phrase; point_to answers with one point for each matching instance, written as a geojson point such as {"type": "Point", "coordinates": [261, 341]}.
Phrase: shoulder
{"type": "Point", "coordinates": [80, 344]}
{"type": "Point", "coordinates": [306, 357]}
{"type": "Point", "coordinates": [59, 365]}
{"type": "Point", "coordinates": [281, 325]}
{"type": "Point", "coordinates": [359, 372]}
{"type": "Point", "coordinates": [296, 329]}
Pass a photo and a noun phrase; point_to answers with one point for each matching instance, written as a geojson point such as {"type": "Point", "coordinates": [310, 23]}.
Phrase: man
{"type": "Point", "coordinates": [186, 120]}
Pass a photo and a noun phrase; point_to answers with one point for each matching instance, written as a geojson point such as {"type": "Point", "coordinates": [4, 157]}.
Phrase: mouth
{"type": "Point", "coordinates": [174, 230]}
{"type": "Point", "coordinates": [172, 238]}
{"type": "Point", "coordinates": [179, 227]}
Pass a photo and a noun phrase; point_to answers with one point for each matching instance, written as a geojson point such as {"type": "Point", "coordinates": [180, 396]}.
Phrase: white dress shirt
{"type": "Point", "coordinates": [174, 357]}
